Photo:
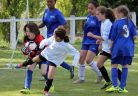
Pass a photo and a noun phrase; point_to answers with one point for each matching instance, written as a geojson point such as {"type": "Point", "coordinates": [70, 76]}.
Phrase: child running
{"type": "Point", "coordinates": [55, 54]}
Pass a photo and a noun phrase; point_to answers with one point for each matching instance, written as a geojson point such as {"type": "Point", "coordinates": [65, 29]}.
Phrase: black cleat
{"type": "Point", "coordinates": [107, 84]}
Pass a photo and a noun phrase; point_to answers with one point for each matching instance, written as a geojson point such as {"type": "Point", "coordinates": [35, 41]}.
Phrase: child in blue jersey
{"type": "Point", "coordinates": [89, 47]}
{"type": "Point", "coordinates": [53, 18]}
{"type": "Point", "coordinates": [106, 16]}
{"type": "Point", "coordinates": [122, 36]}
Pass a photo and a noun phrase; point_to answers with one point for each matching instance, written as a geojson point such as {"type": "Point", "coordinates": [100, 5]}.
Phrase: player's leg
{"type": "Point", "coordinates": [68, 67]}
{"type": "Point", "coordinates": [81, 67]}
{"type": "Point", "coordinates": [51, 73]}
{"type": "Point", "coordinates": [28, 79]}
{"type": "Point", "coordinates": [127, 60]}
{"type": "Point", "coordinates": [100, 63]}
{"type": "Point", "coordinates": [89, 60]}
{"type": "Point", "coordinates": [114, 73]}
{"type": "Point", "coordinates": [44, 69]}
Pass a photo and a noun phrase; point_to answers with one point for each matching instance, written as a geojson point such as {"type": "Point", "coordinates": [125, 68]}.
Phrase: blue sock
{"type": "Point", "coordinates": [66, 66]}
{"type": "Point", "coordinates": [28, 78]}
{"type": "Point", "coordinates": [123, 78]}
{"type": "Point", "coordinates": [114, 77]}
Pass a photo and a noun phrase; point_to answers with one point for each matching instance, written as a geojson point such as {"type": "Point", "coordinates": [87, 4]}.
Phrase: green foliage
{"type": "Point", "coordinates": [36, 8]}
{"type": "Point", "coordinates": [4, 44]}
{"type": "Point", "coordinates": [64, 6]}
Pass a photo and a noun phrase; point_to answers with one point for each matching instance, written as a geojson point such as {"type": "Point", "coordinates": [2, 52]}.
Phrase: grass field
{"type": "Point", "coordinates": [12, 80]}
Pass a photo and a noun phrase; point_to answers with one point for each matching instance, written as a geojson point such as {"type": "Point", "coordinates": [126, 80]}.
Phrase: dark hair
{"type": "Point", "coordinates": [109, 14]}
{"type": "Point", "coordinates": [32, 27]}
{"type": "Point", "coordinates": [61, 33]}
{"type": "Point", "coordinates": [123, 9]}
{"type": "Point", "coordinates": [95, 3]}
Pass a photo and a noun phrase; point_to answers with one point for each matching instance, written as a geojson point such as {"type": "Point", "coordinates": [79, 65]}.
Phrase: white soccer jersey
{"type": "Point", "coordinates": [105, 31]}
{"type": "Point", "coordinates": [56, 52]}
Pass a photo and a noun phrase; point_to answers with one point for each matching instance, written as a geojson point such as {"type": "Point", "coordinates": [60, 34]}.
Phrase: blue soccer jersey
{"type": "Point", "coordinates": [91, 25]}
{"type": "Point", "coordinates": [122, 33]}
{"type": "Point", "coordinates": [52, 19]}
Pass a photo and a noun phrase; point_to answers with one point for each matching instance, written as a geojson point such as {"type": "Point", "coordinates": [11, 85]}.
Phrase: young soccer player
{"type": "Point", "coordinates": [123, 34]}
{"type": "Point", "coordinates": [53, 18]}
{"type": "Point", "coordinates": [106, 16]}
{"type": "Point", "coordinates": [89, 47]}
{"type": "Point", "coordinates": [55, 53]}
{"type": "Point", "coordinates": [32, 34]}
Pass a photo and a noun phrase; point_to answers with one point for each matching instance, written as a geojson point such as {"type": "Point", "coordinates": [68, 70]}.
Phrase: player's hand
{"type": "Point", "coordinates": [89, 34]}
{"type": "Point", "coordinates": [26, 50]}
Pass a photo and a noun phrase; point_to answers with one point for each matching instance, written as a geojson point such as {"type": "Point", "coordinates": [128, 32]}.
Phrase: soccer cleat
{"type": "Point", "coordinates": [52, 89]}
{"type": "Point", "coordinates": [25, 91]}
{"type": "Point", "coordinates": [19, 66]}
{"type": "Point", "coordinates": [112, 89]}
{"type": "Point", "coordinates": [99, 79]}
{"type": "Point", "coordinates": [78, 81]}
{"type": "Point", "coordinates": [107, 84]}
{"type": "Point", "coordinates": [72, 72]}
{"type": "Point", "coordinates": [122, 90]}
{"type": "Point", "coordinates": [46, 93]}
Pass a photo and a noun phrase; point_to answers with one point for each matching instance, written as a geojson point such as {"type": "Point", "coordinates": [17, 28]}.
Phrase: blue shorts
{"type": "Point", "coordinates": [122, 60]}
{"type": "Point", "coordinates": [90, 47]}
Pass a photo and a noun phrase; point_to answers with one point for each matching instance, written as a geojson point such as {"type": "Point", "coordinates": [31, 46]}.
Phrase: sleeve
{"type": "Point", "coordinates": [39, 39]}
{"type": "Point", "coordinates": [113, 33]}
{"type": "Point", "coordinates": [61, 18]}
{"type": "Point", "coordinates": [133, 30]}
{"type": "Point", "coordinates": [106, 31]}
{"type": "Point", "coordinates": [74, 52]}
{"type": "Point", "coordinates": [46, 42]}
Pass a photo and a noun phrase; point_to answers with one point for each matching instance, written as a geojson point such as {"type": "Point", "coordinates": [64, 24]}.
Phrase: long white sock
{"type": "Point", "coordinates": [95, 68]}
{"type": "Point", "coordinates": [81, 71]}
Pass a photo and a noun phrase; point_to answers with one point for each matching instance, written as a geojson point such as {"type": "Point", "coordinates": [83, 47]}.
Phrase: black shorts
{"type": "Point", "coordinates": [48, 62]}
{"type": "Point", "coordinates": [106, 54]}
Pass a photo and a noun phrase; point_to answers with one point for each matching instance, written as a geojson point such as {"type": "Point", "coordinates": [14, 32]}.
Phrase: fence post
{"type": "Point", "coordinates": [13, 33]}
{"type": "Point", "coordinates": [133, 17]}
{"type": "Point", "coordinates": [72, 29]}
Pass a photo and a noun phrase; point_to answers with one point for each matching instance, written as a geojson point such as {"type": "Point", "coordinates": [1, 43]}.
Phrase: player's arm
{"type": "Point", "coordinates": [41, 25]}
{"type": "Point", "coordinates": [90, 34]}
{"type": "Point", "coordinates": [75, 53]}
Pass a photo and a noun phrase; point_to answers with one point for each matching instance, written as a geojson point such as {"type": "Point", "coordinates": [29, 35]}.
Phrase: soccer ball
{"type": "Point", "coordinates": [31, 45]}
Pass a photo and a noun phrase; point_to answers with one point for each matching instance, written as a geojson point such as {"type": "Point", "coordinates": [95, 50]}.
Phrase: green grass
{"type": "Point", "coordinates": [12, 80]}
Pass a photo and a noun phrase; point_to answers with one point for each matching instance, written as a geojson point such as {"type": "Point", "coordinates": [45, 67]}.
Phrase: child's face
{"type": "Point", "coordinates": [91, 8]}
{"type": "Point", "coordinates": [100, 16]}
{"type": "Point", "coordinates": [30, 35]}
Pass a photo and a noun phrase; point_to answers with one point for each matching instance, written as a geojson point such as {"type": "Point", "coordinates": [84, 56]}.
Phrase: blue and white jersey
{"type": "Point", "coordinates": [91, 25]}
{"type": "Point", "coordinates": [53, 19]}
{"type": "Point", "coordinates": [122, 33]}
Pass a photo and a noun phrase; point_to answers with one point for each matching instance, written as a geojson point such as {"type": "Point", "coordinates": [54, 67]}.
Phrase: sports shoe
{"type": "Point", "coordinates": [112, 89]}
{"type": "Point", "coordinates": [25, 91]}
{"type": "Point", "coordinates": [122, 90]}
{"type": "Point", "coordinates": [107, 84]}
{"type": "Point", "coordinates": [78, 81]}
{"type": "Point", "coordinates": [52, 89]}
{"type": "Point", "coordinates": [99, 79]}
{"type": "Point", "coordinates": [19, 66]}
{"type": "Point", "coordinates": [72, 72]}
{"type": "Point", "coordinates": [46, 93]}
